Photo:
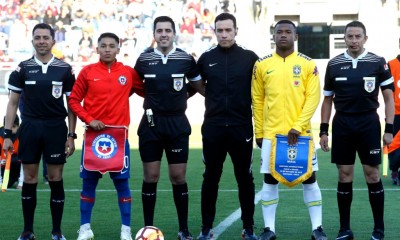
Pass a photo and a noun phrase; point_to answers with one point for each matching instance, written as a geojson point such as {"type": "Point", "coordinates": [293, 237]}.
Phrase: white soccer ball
{"type": "Point", "coordinates": [149, 233]}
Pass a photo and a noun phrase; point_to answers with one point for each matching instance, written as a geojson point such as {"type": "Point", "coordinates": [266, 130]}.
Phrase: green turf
{"type": "Point", "coordinates": [292, 217]}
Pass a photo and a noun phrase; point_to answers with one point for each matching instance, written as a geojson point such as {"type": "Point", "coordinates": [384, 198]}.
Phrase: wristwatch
{"type": "Point", "coordinates": [73, 135]}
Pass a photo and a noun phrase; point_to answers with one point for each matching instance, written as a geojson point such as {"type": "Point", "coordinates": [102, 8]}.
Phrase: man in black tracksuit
{"type": "Point", "coordinates": [227, 128]}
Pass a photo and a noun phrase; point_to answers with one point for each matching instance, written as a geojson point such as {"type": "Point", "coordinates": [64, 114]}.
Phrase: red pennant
{"type": "Point", "coordinates": [104, 150]}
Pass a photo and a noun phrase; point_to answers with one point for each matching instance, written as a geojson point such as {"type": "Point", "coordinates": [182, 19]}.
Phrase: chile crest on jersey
{"type": "Point", "coordinates": [122, 80]}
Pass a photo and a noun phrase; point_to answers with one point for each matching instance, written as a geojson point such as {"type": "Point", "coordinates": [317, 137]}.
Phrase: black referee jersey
{"type": "Point", "coordinates": [164, 79]}
{"type": "Point", "coordinates": [355, 83]}
{"type": "Point", "coordinates": [43, 86]}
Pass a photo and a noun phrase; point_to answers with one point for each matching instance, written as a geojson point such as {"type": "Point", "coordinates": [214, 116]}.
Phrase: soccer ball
{"type": "Point", "coordinates": [149, 233]}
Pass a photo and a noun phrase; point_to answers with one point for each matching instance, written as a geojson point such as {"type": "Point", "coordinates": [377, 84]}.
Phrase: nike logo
{"type": "Point", "coordinates": [212, 64]}
{"type": "Point", "coordinates": [123, 171]}
{"type": "Point", "coordinates": [249, 139]}
{"type": "Point", "coordinates": [270, 71]}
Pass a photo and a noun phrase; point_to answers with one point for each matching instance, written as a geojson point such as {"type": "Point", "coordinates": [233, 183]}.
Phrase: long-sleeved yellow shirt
{"type": "Point", "coordinates": [285, 94]}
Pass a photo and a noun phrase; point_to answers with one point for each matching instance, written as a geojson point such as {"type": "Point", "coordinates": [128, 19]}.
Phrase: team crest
{"type": "Point", "coordinates": [122, 80]}
{"type": "Point", "coordinates": [369, 84]}
{"type": "Point", "coordinates": [178, 84]}
{"type": "Point", "coordinates": [292, 153]}
{"type": "Point", "coordinates": [296, 70]}
{"type": "Point", "coordinates": [57, 91]}
{"type": "Point", "coordinates": [104, 146]}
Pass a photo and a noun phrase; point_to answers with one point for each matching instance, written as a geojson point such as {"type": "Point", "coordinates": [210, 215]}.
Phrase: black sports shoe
{"type": "Point", "coordinates": [318, 234]}
{"type": "Point", "coordinates": [248, 234]}
{"type": "Point", "coordinates": [345, 234]}
{"type": "Point", "coordinates": [205, 234]}
{"type": "Point", "coordinates": [267, 235]}
{"type": "Point", "coordinates": [27, 236]}
{"type": "Point", "coordinates": [377, 234]}
{"type": "Point", "coordinates": [184, 235]}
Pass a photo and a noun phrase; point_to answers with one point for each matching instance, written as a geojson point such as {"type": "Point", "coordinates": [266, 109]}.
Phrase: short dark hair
{"type": "Point", "coordinates": [108, 35]}
{"type": "Point", "coordinates": [164, 19]}
{"type": "Point", "coordinates": [225, 16]}
{"type": "Point", "coordinates": [44, 26]}
{"type": "Point", "coordinates": [285, 21]}
{"type": "Point", "coordinates": [356, 24]}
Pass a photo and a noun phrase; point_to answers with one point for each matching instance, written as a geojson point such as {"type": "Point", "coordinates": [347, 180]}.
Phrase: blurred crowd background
{"type": "Point", "coordinates": [78, 23]}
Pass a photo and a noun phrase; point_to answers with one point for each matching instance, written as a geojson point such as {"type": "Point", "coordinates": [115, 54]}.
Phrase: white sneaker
{"type": "Point", "coordinates": [126, 233]}
{"type": "Point", "coordinates": [85, 233]}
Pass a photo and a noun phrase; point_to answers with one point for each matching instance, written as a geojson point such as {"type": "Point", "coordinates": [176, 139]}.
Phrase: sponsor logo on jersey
{"type": "Point", "coordinates": [33, 71]}
{"type": "Point", "coordinates": [104, 146]}
{"type": "Point", "coordinates": [315, 72]}
{"type": "Point", "coordinates": [122, 80]}
{"type": "Point", "coordinates": [345, 67]}
{"type": "Point", "coordinates": [296, 83]}
{"type": "Point", "coordinates": [178, 84]}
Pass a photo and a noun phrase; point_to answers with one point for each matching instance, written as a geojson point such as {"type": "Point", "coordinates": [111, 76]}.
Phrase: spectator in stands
{"type": "Point", "coordinates": [49, 18]}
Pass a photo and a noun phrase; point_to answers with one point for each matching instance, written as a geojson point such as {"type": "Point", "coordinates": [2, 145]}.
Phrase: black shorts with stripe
{"type": "Point", "coordinates": [356, 133]}
{"type": "Point", "coordinates": [42, 137]}
{"type": "Point", "coordinates": [169, 133]}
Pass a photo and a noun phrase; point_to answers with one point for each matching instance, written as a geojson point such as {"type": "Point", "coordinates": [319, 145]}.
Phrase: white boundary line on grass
{"type": "Point", "coordinates": [227, 222]}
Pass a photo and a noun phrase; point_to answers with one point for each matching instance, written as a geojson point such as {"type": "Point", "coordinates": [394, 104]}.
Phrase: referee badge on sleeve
{"type": "Point", "coordinates": [369, 84]}
{"type": "Point", "coordinates": [178, 81]}
{"type": "Point", "coordinates": [57, 89]}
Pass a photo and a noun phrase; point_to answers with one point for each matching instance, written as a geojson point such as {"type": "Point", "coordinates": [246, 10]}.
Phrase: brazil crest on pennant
{"type": "Point", "coordinates": [104, 151]}
{"type": "Point", "coordinates": [291, 164]}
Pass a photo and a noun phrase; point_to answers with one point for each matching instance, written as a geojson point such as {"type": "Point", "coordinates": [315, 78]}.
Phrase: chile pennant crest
{"type": "Point", "coordinates": [104, 150]}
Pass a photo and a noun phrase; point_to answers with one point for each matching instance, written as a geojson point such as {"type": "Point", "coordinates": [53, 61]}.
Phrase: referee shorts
{"type": "Point", "coordinates": [42, 137]}
{"type": "Point", "coordinates": [170, 133]}
{"type": "Point", "coordinates": [356, 133]}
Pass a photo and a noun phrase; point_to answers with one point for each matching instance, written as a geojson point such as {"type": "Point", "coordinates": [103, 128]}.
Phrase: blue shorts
{"type": "Point", "coordinates": [124, 174]}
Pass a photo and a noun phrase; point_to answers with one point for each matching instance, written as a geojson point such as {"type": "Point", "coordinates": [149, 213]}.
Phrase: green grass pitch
{"type": "Point", "coordinates": [292, 216]}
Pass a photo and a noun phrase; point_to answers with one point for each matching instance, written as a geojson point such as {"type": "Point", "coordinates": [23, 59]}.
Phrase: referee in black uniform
{"type": "Point", "coordinates": [164, 126]}
{"type": "Point", "coordinates": [44, 80]}
{"type": "Point", "coordinates": [227, 127]}
{"type": "Point", "coordinates": [352, 82]}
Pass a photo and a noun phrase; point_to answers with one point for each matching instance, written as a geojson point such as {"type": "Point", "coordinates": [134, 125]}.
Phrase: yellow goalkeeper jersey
{"type": "Point", "coordinates": [285, 94]}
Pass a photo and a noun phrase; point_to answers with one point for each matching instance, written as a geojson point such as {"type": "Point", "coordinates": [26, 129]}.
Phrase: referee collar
{"type": "Point", "coordinates": [44, 66]}
{"type": "Point", "coordinates": [164, 58]}
{"type": "Point", "coordinates": [359, 57]}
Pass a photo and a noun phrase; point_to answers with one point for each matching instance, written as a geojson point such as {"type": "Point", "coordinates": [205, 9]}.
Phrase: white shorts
{"type": "Point", "coordinates": [266, 155]}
